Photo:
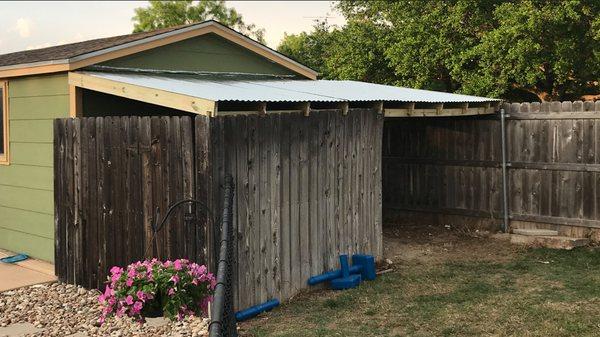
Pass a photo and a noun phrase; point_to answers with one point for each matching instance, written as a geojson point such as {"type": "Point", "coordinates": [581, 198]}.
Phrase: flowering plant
{"type": "Point", "coordinates": [175, 288]}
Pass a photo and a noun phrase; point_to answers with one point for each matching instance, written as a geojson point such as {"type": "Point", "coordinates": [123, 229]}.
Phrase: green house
{"type": "Point", "coordinates": [35, 89]}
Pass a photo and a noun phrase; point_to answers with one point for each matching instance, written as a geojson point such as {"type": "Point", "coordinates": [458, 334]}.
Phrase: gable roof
{"type": "Point", "coordinates": [71, 50]}
{"type": "Point", "coordinates": [77, 55]}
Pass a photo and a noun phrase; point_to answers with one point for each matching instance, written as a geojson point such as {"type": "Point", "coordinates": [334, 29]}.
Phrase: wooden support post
{"type": "Point", "coordinates": [75, 101]}
{"type": "Point", "coordinates": [438, 108]}
{"type": "Point", "coordinates": [262, 108]}
{"type": "Point", "coordinates": [305, 109]}
{"type": "Point", "coordinates": [344, 107]}
{"type": "Point", "coordinates": [215, 111]}
{"type": "Point", "coordinates": [378, 107]}
{"type": "Point", "coordinates": [411, 108]}
{"type": "Point", "coordinates": [464, 107]}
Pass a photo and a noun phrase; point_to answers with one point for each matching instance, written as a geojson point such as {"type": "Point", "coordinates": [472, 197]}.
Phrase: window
{"type": "Point", "coordinates": [3, 122]}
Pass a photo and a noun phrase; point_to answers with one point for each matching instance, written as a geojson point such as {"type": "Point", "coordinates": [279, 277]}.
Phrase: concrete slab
{"type": "Point", "coordinates": [554, 242]}
{"type": "Point", "coordinates": [24, 273]}
{"type": "Point", "coordinates": [535, 232]}
{"type": "Point", "coordinates": [18, 329]}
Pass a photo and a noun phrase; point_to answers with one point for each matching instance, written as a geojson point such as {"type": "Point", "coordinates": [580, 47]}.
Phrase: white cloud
{"type": "Point", "coordinates": [23, 27]}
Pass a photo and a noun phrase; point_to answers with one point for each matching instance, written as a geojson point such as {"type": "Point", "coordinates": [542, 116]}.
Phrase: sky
{"type": "Point", "coordinates": [30, 25]}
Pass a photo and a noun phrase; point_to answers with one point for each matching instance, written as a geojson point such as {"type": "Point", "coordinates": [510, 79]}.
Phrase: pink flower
{"type": "Point", "coordinates": [101, 298]}
{"type": "Point", "coordinates": [120, 311]}
{"type": "Point", "coordinates": [141, 295]}
{"type": "Point", "coordinates": [116, 270]}
{"type": "Point", "coordinates": [171, 292]}
{"type": "Point", "coordinates": [129, 282]}
{"type": "Point", "coordinates": [137, 307]}
{"type": "Point", "coordinates": [131, 272]}
{"type": "Point", "coordinates": [101, 320]}
{"type": "Point", "coordinates": [174, 279]}
{"type": "Point", "coordinates": [177, 265]}
{"type": "Point", "coordinates": [204, 304]}
{"type": "Point", "coordinates": [108, 292]}
{"type": "Point", "coordinates": [129, 300]}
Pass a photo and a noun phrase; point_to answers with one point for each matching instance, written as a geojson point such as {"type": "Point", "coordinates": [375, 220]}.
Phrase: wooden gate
{"type": "Point", "coordinates": [111, 177]}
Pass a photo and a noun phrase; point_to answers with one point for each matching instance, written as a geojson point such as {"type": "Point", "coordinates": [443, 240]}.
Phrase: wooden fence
{"type": "Point", "coordinates": [307, 189]}
{"type": "Point", "coordinates": [111, 175]}
{"type": "Point", "coordinates": [453, 165]}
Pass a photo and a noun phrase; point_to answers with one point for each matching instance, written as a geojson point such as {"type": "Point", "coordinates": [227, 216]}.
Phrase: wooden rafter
{"type": "Point", "coordinates": [187, 103]}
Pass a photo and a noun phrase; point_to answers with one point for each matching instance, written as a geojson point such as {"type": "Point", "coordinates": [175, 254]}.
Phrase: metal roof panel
{"type": "Point", "coordinates": [247, 89]}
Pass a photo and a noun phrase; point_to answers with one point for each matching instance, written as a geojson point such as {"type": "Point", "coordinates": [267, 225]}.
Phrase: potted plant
{"type": "Point", "coordinates": [152, 288]}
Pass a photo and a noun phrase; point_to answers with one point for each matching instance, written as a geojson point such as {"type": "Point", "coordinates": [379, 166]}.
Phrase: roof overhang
{"type": "Point", "coordinates": [154, 42]}
{"type": "Point", "coordinates": [211, 94]}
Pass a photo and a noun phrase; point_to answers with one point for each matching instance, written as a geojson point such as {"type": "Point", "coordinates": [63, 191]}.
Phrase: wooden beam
{"type": "Point", "coordinates": [411, 108]}
{"type": "Point", "coordinates": [34, 70]}
{"type": "Point", "coordinates": [344, 107]}
{"type": "Point", "coordinates": [464, 107]}
{"type": "Point", "coordinates": [262, 108]}
{"type": "Point", "coordinates": [438, 108]}
{"type": "Point", "coordinates": [75, 102]}
{"type": "Point", "coordinates": [436, 112]}
{"type": "Point", "coordinates": [306, 109]}
{"type": "Point", "coordinates": [378, 107]}
{"type": "Point", "coordinates": [187, 103]}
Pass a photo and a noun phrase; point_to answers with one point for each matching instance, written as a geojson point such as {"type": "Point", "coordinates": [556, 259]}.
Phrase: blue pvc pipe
{"type": "Point", "coordinates": [344, 266]}
{"type": "Point", "coordinates": [332, 275]}
{"type": "Point", "coordinates": [245, 314]}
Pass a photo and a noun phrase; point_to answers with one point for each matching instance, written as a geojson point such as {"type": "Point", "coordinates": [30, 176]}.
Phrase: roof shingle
{"type": "Point", "coordinates": [71, 50]}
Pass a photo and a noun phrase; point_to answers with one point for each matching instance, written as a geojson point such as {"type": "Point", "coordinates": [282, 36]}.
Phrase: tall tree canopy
{"type": "Point", "coordinates": [163, 14]}
{"type": "Point", "coordinates": [512, 49]}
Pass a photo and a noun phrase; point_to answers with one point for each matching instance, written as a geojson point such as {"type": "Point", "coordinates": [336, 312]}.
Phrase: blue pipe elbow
{"type": "Point", "coordinates": [245, 314]}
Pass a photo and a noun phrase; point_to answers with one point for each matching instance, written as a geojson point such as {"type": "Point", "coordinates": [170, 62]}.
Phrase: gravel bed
{"type": "Point", "coordinates": [60, 309]}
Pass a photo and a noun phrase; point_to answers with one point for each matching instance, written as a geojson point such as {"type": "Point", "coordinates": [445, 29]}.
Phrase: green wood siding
{"type": "Point", "coordinates": [208, 52]}
{"type": "Point", "coordinates": [26, 185]}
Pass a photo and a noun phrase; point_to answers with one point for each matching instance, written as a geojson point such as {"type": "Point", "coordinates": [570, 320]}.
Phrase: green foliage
{"type": "Point", "coordinates": [518, 50]}
{"type": "Point", "coordinates": [163, 14]}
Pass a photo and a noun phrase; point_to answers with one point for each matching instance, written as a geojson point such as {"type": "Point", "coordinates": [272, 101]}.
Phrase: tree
{"type": "Point", "coordinates": [353, 52]}
{"type": "Point", "coordinates": [513, 49]}
{"type": "Point", "coordinates": [163, 14]}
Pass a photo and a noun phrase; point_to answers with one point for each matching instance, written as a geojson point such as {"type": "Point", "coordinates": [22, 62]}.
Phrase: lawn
{"type": "Point", "coordinates": [459, 286]}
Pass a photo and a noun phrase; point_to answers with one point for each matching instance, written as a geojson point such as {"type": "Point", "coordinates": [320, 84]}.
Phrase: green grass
{"type": "Point", "coordinates": [538, 293]}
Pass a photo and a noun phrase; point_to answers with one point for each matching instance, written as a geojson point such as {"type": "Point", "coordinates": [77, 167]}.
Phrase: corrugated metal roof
{"type": "Point", "coordinates": [248, 89]}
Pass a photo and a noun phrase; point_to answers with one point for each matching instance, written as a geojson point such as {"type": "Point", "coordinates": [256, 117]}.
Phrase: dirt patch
{"type": "Point", "coordinates": [409, 242]}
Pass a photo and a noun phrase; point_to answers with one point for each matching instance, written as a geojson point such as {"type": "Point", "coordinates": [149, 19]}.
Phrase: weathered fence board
{"type": "Point", "coordinates": [308, 189]}
{"type": "Point", "coordinates": [452, 165]}
{"type": "Point", "coordinates": [293, 206]}
{"type": "Point", "coordinates": [112, 174]}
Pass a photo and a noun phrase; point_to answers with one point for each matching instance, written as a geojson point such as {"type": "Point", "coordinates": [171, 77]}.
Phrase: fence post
{"type": "Point", "coordinates": [223, 318]}
{"type": "Point", "coordinates": [505, 210]}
